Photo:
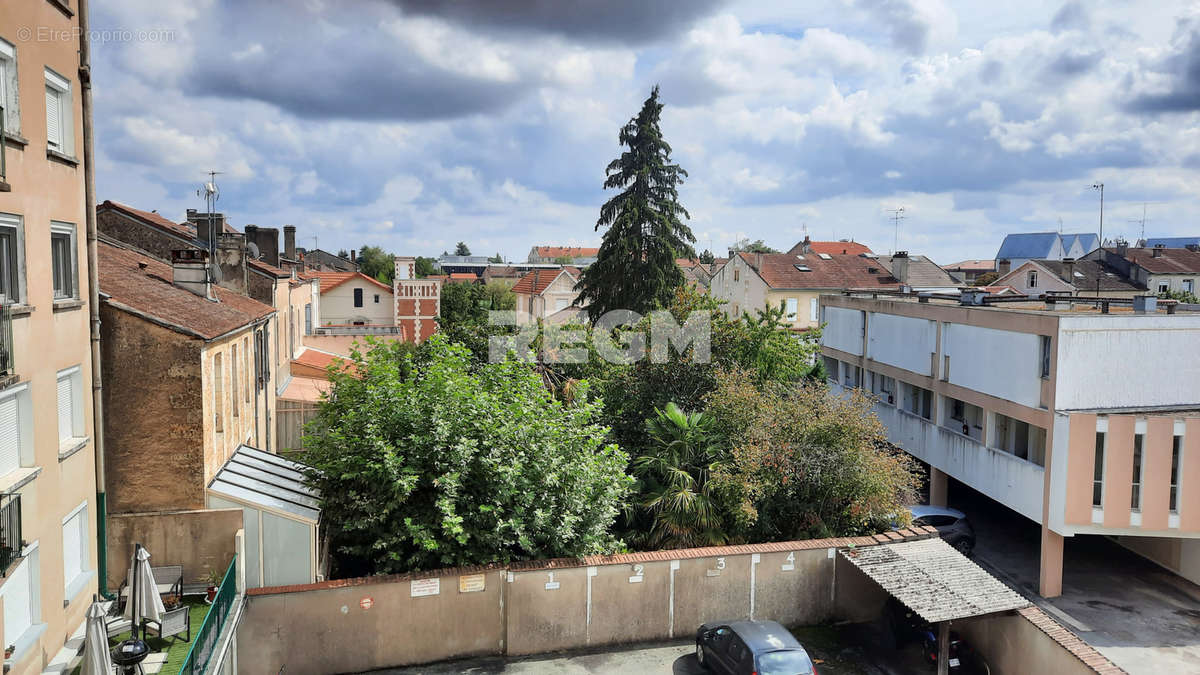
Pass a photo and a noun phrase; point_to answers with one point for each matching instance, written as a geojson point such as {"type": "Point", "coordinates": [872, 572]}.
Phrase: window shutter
{"type": "Point", "coordinates": [18, 614]}
{"type": "Point", "coordinates": [812, 309]}
{"type": "Point", "coordinates": [53, 120]}
{"type": "Point", "coordinates": [10, 435]}
{"type": "Point", "coordinates": [73, 547]}
{"type": "Point", "coordinates": [65, 421]}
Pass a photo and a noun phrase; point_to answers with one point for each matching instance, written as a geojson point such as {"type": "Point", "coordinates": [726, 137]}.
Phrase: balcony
{"type": "Point", "coordinates": [355, 329]}
{"type": "Point", "coordinates": [10, 530]}
{"type": "Point", "coordinates": [4, 186]}
{"type": "Point", "coordinates": [7, 360]}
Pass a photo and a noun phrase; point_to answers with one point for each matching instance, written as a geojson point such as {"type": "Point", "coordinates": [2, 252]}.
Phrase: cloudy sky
{"type": "Point", "coordinates": [413, 124]}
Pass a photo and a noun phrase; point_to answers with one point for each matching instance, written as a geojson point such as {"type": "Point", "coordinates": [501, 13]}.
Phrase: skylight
{"type": "Point", "coordinates": [824, 256]}
{"type": "Point", "coordinates": [803, 268]}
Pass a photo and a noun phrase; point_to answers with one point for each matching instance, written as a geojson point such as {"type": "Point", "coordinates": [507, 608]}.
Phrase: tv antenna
{"type": "Point", "coordinates": [211, 193]}
{"type": "Point", "coordinates": [897, 216]}
{"type": "Point", "coordinates": [1141, 222]}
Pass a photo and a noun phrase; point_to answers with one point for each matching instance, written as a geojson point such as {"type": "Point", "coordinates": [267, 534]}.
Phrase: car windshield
{"type": "Point", "coordinates": [789, 662]}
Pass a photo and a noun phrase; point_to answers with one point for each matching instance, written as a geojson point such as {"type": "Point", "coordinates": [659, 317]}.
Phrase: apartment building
{"type": "Point", "coordinates": [1052, 413]}
{"type": "Point", "coordinates": [1159, 269]}
{"type": "Point", "coordinates": [49, 500]}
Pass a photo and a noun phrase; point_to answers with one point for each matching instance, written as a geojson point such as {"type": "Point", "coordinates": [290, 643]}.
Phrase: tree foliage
{"type": "Point", "coordinates": [461, 248]}
{"type": "Point", "coordinates": [374, 262]}
{"type": "Point", "coordinates": [985, 279]}
{"type": "Point", "coordinates": [747, 246]}
{"type": "Point", "coordinates": [635, 268]}
{"type": "Point", "coordinates": [496, 258]}
{"type": "Point", "coordinates": [805, 463]}
{"type": "Point", "coordinates": [707, 257]}
{"type": "Point", "coordinates": [430, 462]}
{"type": "Point", "coordinates": [424, 266]}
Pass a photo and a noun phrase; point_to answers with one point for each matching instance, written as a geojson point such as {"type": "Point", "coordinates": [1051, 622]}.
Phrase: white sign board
{"type": "Point", "coordinates": [422, 587]}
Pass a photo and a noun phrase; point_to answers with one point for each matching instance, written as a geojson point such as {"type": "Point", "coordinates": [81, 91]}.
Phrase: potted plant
{"type": "Point", "coordinates": [8, 651]}
{"type": "Point", "coordinates": [214, 582]}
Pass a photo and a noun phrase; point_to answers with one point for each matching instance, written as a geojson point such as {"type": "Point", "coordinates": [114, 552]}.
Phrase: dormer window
{"type": "Point", "coordinates": [1032, 279]}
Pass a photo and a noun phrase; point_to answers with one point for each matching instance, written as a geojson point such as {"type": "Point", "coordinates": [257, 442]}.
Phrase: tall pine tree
{"type": "Point", "coordinates": [636, 268]}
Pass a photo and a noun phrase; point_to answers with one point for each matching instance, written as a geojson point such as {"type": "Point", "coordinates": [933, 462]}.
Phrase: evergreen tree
{"type": "Point", "coordinates": [496, 258]}
{"type": "Point", "coordinates": [707, 257]}
{"type": "Point", "coordinates": [462, 249]}
{"type": "Point", "coordinates": [636, 268]}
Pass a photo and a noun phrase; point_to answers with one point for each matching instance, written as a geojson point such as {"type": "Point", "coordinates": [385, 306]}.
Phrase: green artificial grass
{"type": "Point", "coordinates": [175, 647]}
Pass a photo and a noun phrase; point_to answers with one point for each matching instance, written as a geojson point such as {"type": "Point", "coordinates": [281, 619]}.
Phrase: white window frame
{"type": "Point", "coordinates": [17, 258]}
{"type": "Point", "coordinates": [59, 88]}
{"type": "Point", "coordinates": [72, 378]}
{"type": "Point", "coordinates": [66, 230]}
{"type": "Point", "coordinates": [813, 309]}
{"type": "Point", "coordinates": [10, 97]}
{"type": "Point", "coordinates": [75, 580]}
{"type": "Point", "coordinates": [1164, 286]}
{"type": "Point", "coordinates": [1189, 285]}
{"type": "Point", "coordinates": [29, 565]}
{"type": "Point", "coordinates": [791, 308]}
{"type": "Point", "coordinates": [24, 414]}
{"type": "Point", "coordinates": [1032, 278]}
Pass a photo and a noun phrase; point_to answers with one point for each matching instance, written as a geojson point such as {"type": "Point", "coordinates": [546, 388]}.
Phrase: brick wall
{"type": "Point", "coordinates": [139, 235]}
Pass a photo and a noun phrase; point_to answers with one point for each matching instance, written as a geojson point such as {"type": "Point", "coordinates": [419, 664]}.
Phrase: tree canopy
{"type": "Point", "coordinates": [461, 248]}
{"type": "Point", "coordinates": [431, 462]}
{"type": "Point", "coordinates": [374, 262]}
{"type": "Point", "coordinates": [635, 268]}
{"type": "Point", "coordinates": [747, 246]}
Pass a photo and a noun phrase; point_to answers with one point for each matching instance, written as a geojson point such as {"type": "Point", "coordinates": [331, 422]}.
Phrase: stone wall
{"type": "Point", "coordinates": [199, 540]}
{"type": "Point", "coordinates": [127, 230]}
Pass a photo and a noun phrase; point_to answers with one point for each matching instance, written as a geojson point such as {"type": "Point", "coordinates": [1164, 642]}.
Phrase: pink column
{"type": "Point", "coordinates": [1156, 478]}
{"type": "Point", "coordinates": [1118, 470]}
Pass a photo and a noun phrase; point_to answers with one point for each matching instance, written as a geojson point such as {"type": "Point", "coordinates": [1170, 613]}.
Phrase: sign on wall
{"type": "Point", "coordinates": [471, 583]}
{"type": "Point", "coordinates": [422, 587]}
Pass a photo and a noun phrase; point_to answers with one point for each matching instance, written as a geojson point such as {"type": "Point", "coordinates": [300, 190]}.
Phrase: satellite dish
{"type": "Point", "coordinates": [252, 249]}
{"type": "Point", "coordinates": [215, 273]}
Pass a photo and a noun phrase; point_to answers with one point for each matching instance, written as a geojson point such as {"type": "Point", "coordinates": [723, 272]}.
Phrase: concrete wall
{"type": "Point", "coordinates": [1152, 357]}
{"type": "Point", "coordinates": [1015, 645]}
{"type": "Point", "coordinates": [199, 540]}
{"type": "Point", "coordinates": [843, 329]}
{"type": "Point", "coordinates": [902, 341]}
{"type": "Point", "coordinates": [1001, 363]}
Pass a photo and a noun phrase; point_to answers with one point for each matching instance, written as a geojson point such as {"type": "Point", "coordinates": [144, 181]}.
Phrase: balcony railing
{"type": "Point", "coordinates": [204, 647]}
{"type": "Point", "coordinates": [10, 530]}
{"type": "Point", "coordinates": [3, 150]}
{"type": "Point", "coordinates": [7, 360]}
{"type": "Point", "coordinates": [366, 329]}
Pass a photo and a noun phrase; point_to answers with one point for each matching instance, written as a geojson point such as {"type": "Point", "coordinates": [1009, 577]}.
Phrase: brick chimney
{"type": "Point", "coordinates": [267, 241]}
{"type": "Point", "coordinates": [189, 269]}
{"type": "Point", "coordinates": [1003, 266]}
{"type": "Point", "coordinates": [352, 258]}
{"type": "Point", "coordinates": [1157, 251]}
{"type": "Point", "coordinates": [900, 266]}
{"type": "Point", "coordinates": [231, 258]}
{"type": "Point", "coordinates": [289, 242]}
{"type": "Point", "coordinates": [201, 220]}
{"type": "Point", "coordinates": [1069, 270]}
{"type": "Point", "coordinates": [806, 245]}
{"type": "Point", "coordinates": [758, 261]}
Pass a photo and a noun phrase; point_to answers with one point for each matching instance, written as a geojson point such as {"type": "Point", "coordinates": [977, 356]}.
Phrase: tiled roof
{"type": "Point", "coordinates": [1086, 273]}
{"type": "Point", "coordinates": [143, 285]}
{"type": "Point", "coordinates": [972, 266]}
{"type": "Point", "coordinates": [825, 271]}
{"type": "Point", "coordinates": [1170, 260]}
{"type": "Point", "coordinates": [331, 280]}
{"type": "Point", "coordinates": [463, 276]}
{"type": "Point", "coordinates": [831, 247]}
{"type": "Point", "coordinates": [934, 580]}
{"type": "Point", "coordinates": [1173, 242]}
{"type": "Point", "coordinates": [922, 272]}
{"type": "Point", "coordinates": [537, 281]}
{"type": "Point", "coordinates": [151, 218]}
{"type": "Point", "coordinates": [572, 251]}
{"type": "Point", "coordinates": [268, 268]}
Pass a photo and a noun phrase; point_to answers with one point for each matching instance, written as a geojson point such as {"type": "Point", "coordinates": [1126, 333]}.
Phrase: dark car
{"type": "Point", "coordinates": [751, 648]}
{"type": "Point", "coordinates": [952, 525]}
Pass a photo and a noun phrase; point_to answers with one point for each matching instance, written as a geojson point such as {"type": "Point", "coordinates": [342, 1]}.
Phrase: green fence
{"type": "Point", "coordinates": [205, 644]}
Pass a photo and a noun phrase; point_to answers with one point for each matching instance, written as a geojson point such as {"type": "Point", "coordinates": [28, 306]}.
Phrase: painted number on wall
{"type": "Point", "coordinates": [638, 575]}
{"type": "Point", "coordinates": [791, 562]}
{"type": "Point", "coordinates": [551, 585]}
{"type": "Point", "coordinates": [716, 572]}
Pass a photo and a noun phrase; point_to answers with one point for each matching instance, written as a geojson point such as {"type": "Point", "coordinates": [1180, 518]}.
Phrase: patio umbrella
{"type": "Point", "coordinates": [144, 601]}
{"type": "Point", "coordinates": [96, 659]}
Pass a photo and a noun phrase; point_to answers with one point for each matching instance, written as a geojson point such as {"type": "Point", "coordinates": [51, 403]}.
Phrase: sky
{"type": "Point", "coordinates": [415, 124]}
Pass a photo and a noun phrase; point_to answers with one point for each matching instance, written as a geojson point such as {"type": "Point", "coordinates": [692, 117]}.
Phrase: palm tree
{"type": "Point", "coordinates": [675, 476]}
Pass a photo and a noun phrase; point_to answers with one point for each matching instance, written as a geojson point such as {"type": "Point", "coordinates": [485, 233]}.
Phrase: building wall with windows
{"type": "Point", "coordinates": [45, 368]}
{"type": "Point", "coordinates": [358, 300]}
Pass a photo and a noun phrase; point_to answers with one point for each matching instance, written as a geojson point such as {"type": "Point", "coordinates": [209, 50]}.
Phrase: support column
{"type": "Point", "coordinates": [1050, 578]}
{"type": "Point", "coordinates": [938, 487]}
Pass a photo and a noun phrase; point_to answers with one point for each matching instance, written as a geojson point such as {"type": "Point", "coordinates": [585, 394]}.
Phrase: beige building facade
{"type": "Point", "coordinates": [48, 495]}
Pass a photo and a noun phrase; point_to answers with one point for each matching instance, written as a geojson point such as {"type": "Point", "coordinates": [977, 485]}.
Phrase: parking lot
{"type": "Point", "coordinates": [835, 651]}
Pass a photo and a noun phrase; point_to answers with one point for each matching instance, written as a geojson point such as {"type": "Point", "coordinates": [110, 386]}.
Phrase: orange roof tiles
{"type": "Point", "coordinates": [562, 251]}
{"type": "Point", "coordinates": [331, 280]}
{"type": "Point", "coordinates": [143, 285]}
{"type": "Point", "coordinates": [537, 281]}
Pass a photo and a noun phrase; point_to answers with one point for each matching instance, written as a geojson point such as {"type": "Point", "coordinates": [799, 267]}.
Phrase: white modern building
{"type": "Point", "coordinates": [1042, 410]}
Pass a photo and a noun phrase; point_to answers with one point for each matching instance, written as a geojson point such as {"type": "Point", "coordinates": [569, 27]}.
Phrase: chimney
{"type": "Point", "coordinates": [201, 220]}
{"type": "Point", "coordinates": [267, 241]}
{"type": "Point", "coordinates": [1003, 266]}
{"type": "Point", "coordinates": [251, 237]}
{"type": "Point", "coordinates": [1145, 304]}
{"type": "Point", "coordinates": [405, 267]}
{"type": "Point", "coordinates": [190, 271]}
{"type": "Point", "coordinates": [900, 266]}
{"type": "Point", "coordinates": [289, 242]}
{"type": "Point", "coordinates": [352, 258]}
{"type": "Point", "coordinates": [1122, 248]}
{"type": "Point", "coordinates": [231, 259]}
{"type": "Point", "coordinates": [806, 245]}
{"type": "Point", "coordinates": [1157, 251]}
{"type": "Point", "coordinates": [1069, 270]}
{"type": "Point", "coordinates": [758, 261]}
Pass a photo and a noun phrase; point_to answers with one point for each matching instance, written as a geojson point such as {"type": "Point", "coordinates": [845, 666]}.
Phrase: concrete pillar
{"type": "Point", "coordinates": [1050, 579]}
{"type": "Point", "coordinates": [938, 487]}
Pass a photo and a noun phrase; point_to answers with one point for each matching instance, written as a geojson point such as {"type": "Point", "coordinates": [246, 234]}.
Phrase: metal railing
{"type": "Point", "coordinates": [10, 530]}
{"type": "Point", "coordinates": [7, 361]}
{"type": "Point", "coordinates": [3, 148]}
{"type": "Point", "coordinates": [205, 645]}
{"type": "Point", "coordinates": [365, 329]}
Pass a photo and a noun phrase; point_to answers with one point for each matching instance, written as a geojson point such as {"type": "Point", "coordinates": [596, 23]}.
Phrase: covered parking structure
{"type": "Point", "coordinates": [936, 582]}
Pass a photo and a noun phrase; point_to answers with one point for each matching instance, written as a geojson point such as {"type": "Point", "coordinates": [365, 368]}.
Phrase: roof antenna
{"type": "Point", "coordinates": [211, 194]}
{"type": "Point", "coordinates": [897, 216]}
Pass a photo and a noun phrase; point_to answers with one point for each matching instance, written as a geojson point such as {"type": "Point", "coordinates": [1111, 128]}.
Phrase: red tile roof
{"type": "Point", "coordinates": [331, 280]}
{"type": "Point", "coordinates": [561, 251]}
{"type": "Point", "coordinates": [151, 218]}
{"type": "Point", "coordinates": [463, 276]}
{"type": "Point", "coordinates": [781, 271]}
{"type": "Point", "coordinates": [268, 268]}
{"type": "Point", "coordinates": [972, 265]}
{"type": "Point", "coordinates": [831, 247]}
{"type": "Point", "coordinates": [537, 281]}
{"type": "Point", "coordinates": [1170, 260]}
{"type": "Point", "coordinates": [140, 284]}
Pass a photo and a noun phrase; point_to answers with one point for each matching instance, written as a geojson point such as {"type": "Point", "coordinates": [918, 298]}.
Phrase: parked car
{"type": "Point", "coordinates": [952, 525]}
{"type": "Point", "coordinates": [751, 648]}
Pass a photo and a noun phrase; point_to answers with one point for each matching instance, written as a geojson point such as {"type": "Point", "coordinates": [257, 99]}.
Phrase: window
{"type": "Point", "coordinates": [1163, 287]}
{"type": "Point", "coordinates": [1189, 285]}
{"type": "Point", "coordinates": [235, 384]}
{"type": "Point", "coordinates": [918, 401]}
{"type": "Point", "coordinates": [812, 309]}
{"type": "Point", "coordinates": [70, 404]}
{"type": "Point", "coordinates": [358, 297]}
{"type": "Point", "coordinates": [1032, 279]}
{"type": "Point", "coordinates": [1135, 498]}
{"type": "Point", "coordinates": [12, 259]}
{"type": "Point", "coordinates": [1044, 341]}
{"type": "Point", "coordinates": [308, 319]}
{"type": "Point", "coordinates": [246, 367]}
{"type": "Point", "coordinates": [20, 591]}
{"type": "Point", "coordinates": [1098, 472]}
{"type": "Point", "coordinates": [737, 274]}
{"type": "Point", "coordinates": [75, 550]}
{"type": "Point", "coordinates": [60, 122]}
{"type": "Point", "coordinates": [1176, 446]}
{"type": "Point", "coordinates": [63, 261]}
{"type": "Point", "coordinates": [884, 387]}
{"type": "Point", "coordinates": [561, 303]}
{"type": "Point", "coordinates": [791, 308]}
{"type": "Point", "coordinates": [16, 424]}
{"type": "Point", "coordinates": [851, 375]}
{"type": "Point", "coordinates": [8, 87]}
{"type": "Point", "coordinates": [377, 298]}
{"type": "Point", "coordinates": [218, 378]}
{"type": "Point", "coordinates": [831, 368]}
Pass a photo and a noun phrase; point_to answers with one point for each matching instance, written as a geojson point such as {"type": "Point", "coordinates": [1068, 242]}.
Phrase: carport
{"type": "Point", "coordinates": [936, 582]}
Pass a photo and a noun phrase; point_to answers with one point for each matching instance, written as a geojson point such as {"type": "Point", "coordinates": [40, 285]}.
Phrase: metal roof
{"type": "Point", "coordinates": [261, 479]}
{"type": "Point", "coordinates": [934, 580]}
{"type": "Point", "coordinates": [1172, 242]}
